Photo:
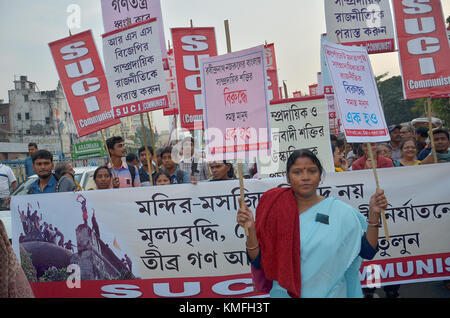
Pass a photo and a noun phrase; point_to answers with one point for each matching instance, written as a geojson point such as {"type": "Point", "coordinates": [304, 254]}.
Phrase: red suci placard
{"type": "Point", "coordinates": [272, 73]}
{"type": "Point", "coordinates": [423, 47]}
{"type": "Point", "coordinates": [190, 45]}
{"type": "Point", "coordinates": [83, 79]}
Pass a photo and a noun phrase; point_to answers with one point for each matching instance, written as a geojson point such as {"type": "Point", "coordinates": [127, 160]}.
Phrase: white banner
{"type": "Point", "coordinates": [183, 240]}
{"type": "Point", "coordinates": [356, 93]}
{"type": "Point", "coordinates": [361, 22]}
{"type": "Point", "coordinates": [236, 105]}
{"type": "Point", "coordinates": [300, 123]}
{"type": "Point", "coordinates": [134, 69]}
{"type": "Point", "coordinates": [118, 14]}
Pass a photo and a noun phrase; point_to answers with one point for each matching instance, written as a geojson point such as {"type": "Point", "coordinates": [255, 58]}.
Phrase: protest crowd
{"type": "Point", "coordinates": [291, 225]}
{"type": "Point", "coordinates": [131, 170]}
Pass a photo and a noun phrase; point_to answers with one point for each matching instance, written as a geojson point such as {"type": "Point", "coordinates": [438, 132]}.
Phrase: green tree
{"type": "Point", "coordinates": [27, 265]}
{"type": "Point", "coordinates": [440, 108]}
{"type": "Point", "coordinates": [55, 275]}
{"type": "Point", "coordinates": [396, 109]}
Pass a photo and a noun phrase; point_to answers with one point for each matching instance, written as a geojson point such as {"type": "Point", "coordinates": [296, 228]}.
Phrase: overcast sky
{"type": "Point", "coordinates": [27, 26]}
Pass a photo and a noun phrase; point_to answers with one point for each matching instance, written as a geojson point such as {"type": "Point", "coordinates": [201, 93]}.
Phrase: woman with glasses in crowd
{"type": "Point", "coordinates": [408, 148]}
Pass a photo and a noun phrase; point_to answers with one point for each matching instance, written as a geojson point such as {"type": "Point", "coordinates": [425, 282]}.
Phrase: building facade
{"type": "Point", "coordinates": [44, 117]}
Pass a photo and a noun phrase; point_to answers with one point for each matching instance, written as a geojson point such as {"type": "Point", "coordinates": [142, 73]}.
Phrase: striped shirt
{"type": "Point", "coordinates": [125, 177]}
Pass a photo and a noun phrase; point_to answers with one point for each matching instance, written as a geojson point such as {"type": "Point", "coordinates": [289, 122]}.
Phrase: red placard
{"type": "Point", "coordinates": [172, 92]}
{"type": "Point", "coordinates": [83, 79]}
{"type": "Point", "coordinates": [272, 74]}
{"type": "Point", "coordinates": [297, 94]}
{"type": "Point", "coordinates": [190, 45]}
{"type": "Point", "coordinates": [313, 90]}
{"type": "Point", "coordinates": [423, 47]}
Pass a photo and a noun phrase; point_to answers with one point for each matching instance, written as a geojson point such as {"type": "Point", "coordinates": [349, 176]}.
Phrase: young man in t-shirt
{"type": "Point", "coordinates": [177, 175]}
{"type": "Point", "coordinates": [43, 165]}
{"type": "Point", "coordinates": [128, 175]}
{"type": "Point", "coordinates": [144, 171]}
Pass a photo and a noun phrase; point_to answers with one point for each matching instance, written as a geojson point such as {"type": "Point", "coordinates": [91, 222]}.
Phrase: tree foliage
{"type": "Point", "coordinates": [440, 108]}
{"type": "Point", "coordinates": [396, 109]}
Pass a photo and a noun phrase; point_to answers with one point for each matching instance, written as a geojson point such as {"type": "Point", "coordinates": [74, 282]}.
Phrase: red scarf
{"type": "Point", "coordinates": [278, 231]}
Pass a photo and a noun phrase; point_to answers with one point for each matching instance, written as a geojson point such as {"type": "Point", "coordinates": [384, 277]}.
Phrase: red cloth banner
{"type": "Point", "coordinates": [83, 79]}
{"type": "Point", "coordinates": [423, 47]}
{"type": "Point", "coordinates": [190, 45]}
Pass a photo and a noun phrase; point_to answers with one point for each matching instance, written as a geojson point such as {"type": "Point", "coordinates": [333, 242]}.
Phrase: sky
{"type": "Point", "coordinates": [294, 26]}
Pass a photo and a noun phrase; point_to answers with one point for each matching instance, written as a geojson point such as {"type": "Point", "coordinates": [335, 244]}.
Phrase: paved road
{"type": "Point", "coordinates": [420, 290]}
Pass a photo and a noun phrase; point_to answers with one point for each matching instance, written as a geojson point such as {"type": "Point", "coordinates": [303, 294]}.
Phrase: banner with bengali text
{"type": "Point", "coordinates": [134, 69]}
{"type": "Point", "coordinates": [236, 105]}
{"type": "Point", "coordinates": [365, 23]}
{"type": "Point", "coordinates": [295, 124]}
{"type": "Point", "coordinates": [118, 14]}
{"type": "Point", "coordinates": [356, 93]}
{"type": "Point", "coordinates": [183, 240]}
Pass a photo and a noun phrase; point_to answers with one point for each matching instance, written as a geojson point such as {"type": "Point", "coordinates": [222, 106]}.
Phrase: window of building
{"type": "Point", "coordinates": [28, 132]}
{"type": "Point", "coordinates": [19, 116]}
{"type": "Point", "coordinates": [3, 119]}
{"type": "Point", "coordinates": [25, 97]}
{"type": "Point", "coordinates": [27, 116]}
{"type": "Point", "coordinates": [47, 120]}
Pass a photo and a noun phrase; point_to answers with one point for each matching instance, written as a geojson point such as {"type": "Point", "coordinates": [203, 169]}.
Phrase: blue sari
{"type": "Point", "coordinates": [330, 260]}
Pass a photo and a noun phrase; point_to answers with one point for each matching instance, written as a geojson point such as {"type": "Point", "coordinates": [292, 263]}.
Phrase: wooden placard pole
{"type": "Point", "coordinates": [374, 167]}
{"type": "Point", "coordinates": [109, 156]}
{"type": "Point", "coordinates": [153, 139]}
{"type": "Point", "coordinates": [375, 174]}
{"type": "Point", "coordinates": [147, 152]}
{"type": "Point", "coordinates": [241, 177]}
{"type": "Point", "coordinates": [430, 130]}
{"type": "Point", "coordinates": [175, 118]}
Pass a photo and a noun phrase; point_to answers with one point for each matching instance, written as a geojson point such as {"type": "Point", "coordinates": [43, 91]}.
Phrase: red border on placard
{"type": "Point", "coordinates": [142, 111]}
{"type": "Point", "coordinates": [366, 43]}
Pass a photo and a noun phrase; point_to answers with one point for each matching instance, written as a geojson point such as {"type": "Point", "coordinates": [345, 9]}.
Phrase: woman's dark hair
{"type": "Point", "coordinates": [231, 171]}
{"type": "Point", "coordinates": [403, 142]}
{"type": "Point", "coordinates": [303, 153]}
{"type": "Point", "coordinates": [333, 148]}
{"type": "Point", "coordinates": [100, 168]}
{"type": "Point", "coordinates": [61, 169]}
{"type": "Point", "coordinates": [158, 174]}
{"type": "Point", "coordinates": [357, 150]}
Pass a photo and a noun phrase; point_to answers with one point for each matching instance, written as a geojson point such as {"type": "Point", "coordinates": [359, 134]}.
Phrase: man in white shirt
{"type": "Point", "coordinates": [7, 179]}
{"type": "Point", "coordinates": [192, 163]}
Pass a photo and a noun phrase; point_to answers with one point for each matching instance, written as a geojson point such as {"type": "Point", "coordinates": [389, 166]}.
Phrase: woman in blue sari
{"type": "Point", "coordinates": [304, 245]}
